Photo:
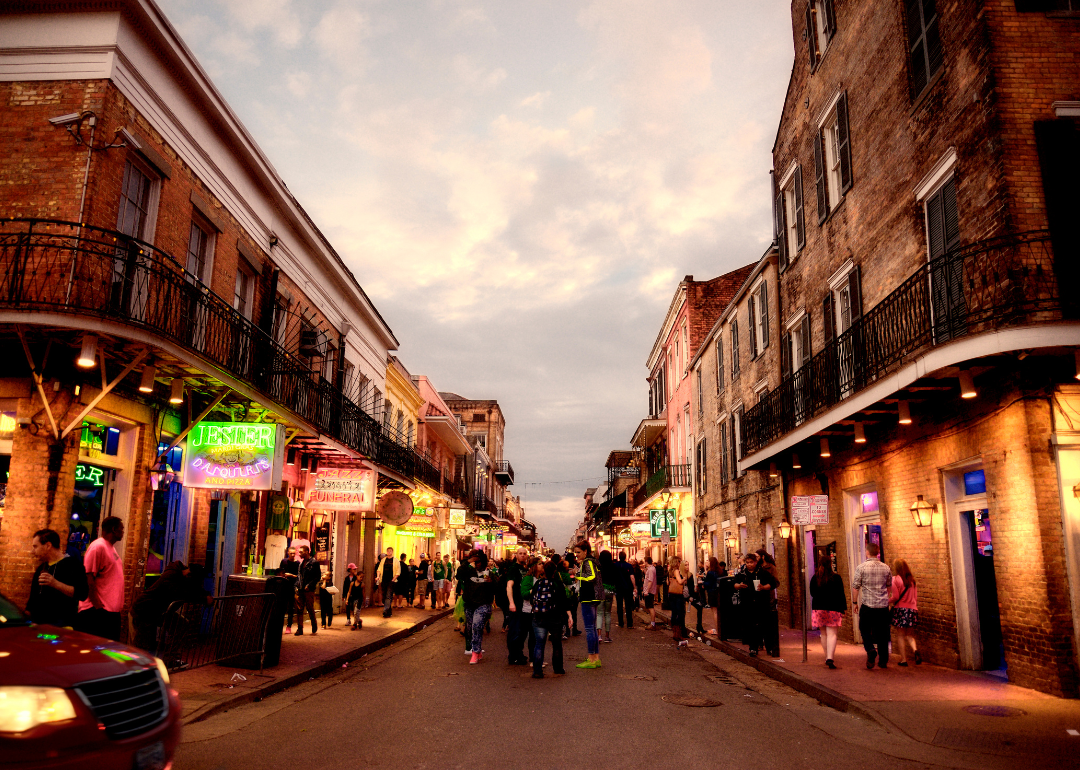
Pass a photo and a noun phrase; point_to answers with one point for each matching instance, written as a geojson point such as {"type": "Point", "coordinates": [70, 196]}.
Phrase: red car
{"type": "Point", "coordinates": [68, 699]}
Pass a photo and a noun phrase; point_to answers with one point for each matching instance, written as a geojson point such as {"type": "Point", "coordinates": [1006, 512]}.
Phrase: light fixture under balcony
{"type": "Point", "coordinates": [1076, 354]}
{"type": "Point", "coordinates": [176, 391]}
{"type": "Point", "coordinates": [967, 385]}
{"type": "Point", "coordinates": [796, 463]}
{"type": "Point", "coordinates": [905, 413]}
{"type": "Point", "coordinates": [773, 472]}
{"type": "Point", "coordinates": [923, 512]}
{"type": "Point", "coordinates": [88, 352]}
{"type": "Point", "coordinates": [825, 448]}
{"type": "Point", "coordinates": [290, 456]}
{"type": "Point", "coordinates": [860, 433]}
{"type": "Point", "coordinates": [146, 382]}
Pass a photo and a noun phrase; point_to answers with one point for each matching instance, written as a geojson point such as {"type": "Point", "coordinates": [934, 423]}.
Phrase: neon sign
{"type": "Point", "coordinates": [90, 475]}
{"type": "Point", "coordinates": [663, 520]}
{"type": "Point", "coordinates": [234, 455]}
{"type": "Point", "coordinates": [343, 489]}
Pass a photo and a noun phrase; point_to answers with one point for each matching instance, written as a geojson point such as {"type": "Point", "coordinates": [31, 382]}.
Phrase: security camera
{"type": "Point", "coordinates": [65, 120]}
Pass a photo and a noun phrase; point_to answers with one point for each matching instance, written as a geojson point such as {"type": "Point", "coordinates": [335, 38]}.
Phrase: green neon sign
{"type": "Point", "coordinates": [89, 474]}
{"type": "Point", "coordinates": [661, 521]}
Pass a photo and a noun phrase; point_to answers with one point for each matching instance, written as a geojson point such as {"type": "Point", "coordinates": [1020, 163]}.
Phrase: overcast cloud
{"type": "Point", "coordinates": [519, 185]}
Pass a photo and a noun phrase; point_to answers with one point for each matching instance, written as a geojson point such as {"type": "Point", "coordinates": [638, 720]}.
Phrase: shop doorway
{"type": "Point", "coordinates": [91, 503]}
{"type": "Point", "coordinates": [976, 522]}
{"type": "Point", "coordinates": [221, 534]}
{"type": "Point", "coordinates": [863, 514]}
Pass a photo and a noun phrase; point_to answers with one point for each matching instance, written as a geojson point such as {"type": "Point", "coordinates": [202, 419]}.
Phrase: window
{"type": "Point", "coordinates": [281, 318]}
{"type": "Point", "coordinates": [137, 194]}
{"type": "Point", "coordinates": [688, 439]}
{"type": "Point", "coordinates": [758, 306]}
{"type": "Point", "coordinates": [790, 221]}
{"type": "Point", "coordinates": [795, 347]}
{"type": "Point", "coordinates": [410, 434]}
{"type": "Point", "coordinates": [702, 471]}
{"type": "Point", "coordinates": [843, 303]}
{"type": "Point", "coordinates": [734, 349]}
{"type": "Point", "coordinates": [199, 251]}
{"type": "Point", "coordinates": [949, 306]}
{"type": "Point", "coordinates": [684, 360]}
{"type": "Point", "coordinates": [719, 364]}
{"type": "Point", "coordinates": [725, 450]}
{"type": "Point", "coordinates": [700, 395]}
{"type": "Point", "coordinates": [924, 42]}
{"type": "Point", "coordinates": [820, 27]}
{"type": "Point", "coordinates": [832, 158]}
{"type": "Point", "coordinates": [242, 291]}
{"type": "Point", "coordinates": [329, 361]}
{"type": "Point", "coordinates": [736, 440]}
{"type": "Point", "coordinates": [761, 390]}
{"type": "Point", "coordinates": [478, 417]}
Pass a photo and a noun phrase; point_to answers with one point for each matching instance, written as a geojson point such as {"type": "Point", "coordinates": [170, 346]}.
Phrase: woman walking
{"type": "Point", "coordinates": [903, 598]}
{"type": "Point", "coordinates": [609, 576]}
{"type": "Point", "coordinates": [712, 590]}
{"type": "Point", "coordinates": [827, 607]}
{"type": "Point", "coordinates": [675, 583]}
{"type": "Point", "coordinates": [549, 614]}
{"type": "Point", "coordinates": [588, 578]}
{"type": "Point", "coordinates": [477, 587]}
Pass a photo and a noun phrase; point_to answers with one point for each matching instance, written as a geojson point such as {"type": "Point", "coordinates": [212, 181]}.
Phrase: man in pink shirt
{"type": "Point", "coordinates": [99, 613]}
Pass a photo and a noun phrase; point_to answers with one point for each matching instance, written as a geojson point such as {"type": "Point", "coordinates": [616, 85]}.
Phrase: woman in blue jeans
{"type": "Point", "coordinates": [588, 580]}
{"type": "Point", "coordinates": [550, 612]}
{"type": "Point", "coordinates": [477, 587]}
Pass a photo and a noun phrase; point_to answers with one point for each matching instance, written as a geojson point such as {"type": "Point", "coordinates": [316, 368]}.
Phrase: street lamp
{"type": "Point", "coordinates": [785, 529]}
{"type": "Point", "coordinates": [923, 512]}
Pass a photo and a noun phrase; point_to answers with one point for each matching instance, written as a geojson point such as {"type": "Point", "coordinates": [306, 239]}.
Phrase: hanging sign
{"type": "Point", "coordinates": [234, 455]}
{"type": "Point", "coordinates": [395, 508]}
{"type": "Point", "coordinates": [641, 529]}
{"type": "Point", "coordinates": [420, 524]}
{"type": "Point", "coordinates": [661, 521]}
{"type": "Point", "coordinates": [342, 489]}
{"type": "Point", "coordinates": [626, 538]}
{"type": "Point", "coordinates": [457, 518]}
{"type": "Point", "coordinates": [510, 540]}
{"type": "Point", "coordinates": [809, 509]}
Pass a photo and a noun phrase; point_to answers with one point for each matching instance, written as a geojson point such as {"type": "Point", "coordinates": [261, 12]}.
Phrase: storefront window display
{"type": "Point", "coordinates": [91, 503]}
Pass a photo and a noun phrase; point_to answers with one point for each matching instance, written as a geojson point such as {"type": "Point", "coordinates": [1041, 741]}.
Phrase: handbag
{"type": "Point", "coordinates": [900, 598]}
{"type": "Point", "coordinates": [333, 590]}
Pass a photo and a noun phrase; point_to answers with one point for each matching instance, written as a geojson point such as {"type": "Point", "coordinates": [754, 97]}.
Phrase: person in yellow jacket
{"type": "Point", "coordinates": [588, 582]}
{"type": "Point", "coordinates": [387, 573]}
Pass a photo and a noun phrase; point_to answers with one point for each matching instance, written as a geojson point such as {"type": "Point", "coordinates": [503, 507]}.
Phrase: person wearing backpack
{"type": "Point", "coordinates": [590, 594]}
{"type": "Point", "coordinates": [549, 613]}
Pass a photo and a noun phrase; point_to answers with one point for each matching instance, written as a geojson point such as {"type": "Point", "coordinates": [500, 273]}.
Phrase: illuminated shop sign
{"type": "Point", "coordinates": [343, 489]}
{"type": "Point", "coordinates": [457, 518]}
{"type": "Point", "coordinates": [234, 455]}
{"type": "Point", "coordinates": [625, 538]}
{"type": "Point", "coordinates": [89, 474]}
{"type": "Point", "coordinates": [7, 425]}
{"type": "Point", "coordinates": [663, 520]}
{"type": "Point", "coordinates": [641, 528]}
{"type": "Point", "coordinates": [420, 524]}
{"type": "Point", "coordinates": [510, 540]}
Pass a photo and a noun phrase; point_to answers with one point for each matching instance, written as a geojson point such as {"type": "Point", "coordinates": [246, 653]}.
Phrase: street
{"type": "Point", "coordinates": [419, 704]}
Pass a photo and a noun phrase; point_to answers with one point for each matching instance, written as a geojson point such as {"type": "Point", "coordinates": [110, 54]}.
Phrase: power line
{"type": "Point", "coordinates": [568, 481]}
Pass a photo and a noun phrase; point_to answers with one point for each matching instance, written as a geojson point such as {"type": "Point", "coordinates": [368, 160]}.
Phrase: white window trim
{"type": "Point", "coordinates": [152, 206]}
{"type": "Point", "coordinates": [839, 278]}
{"type": "Point", "coordinates": [794, 321]}
{"type": "Point", "coordinates": [830, 108]}
{"type": "Point", "coordinates": [759, 386]}
{"type": "Point", "coordinates": [789, 175]}
{"type": "Point", "coordinates": [937, 176]}
{"type": "Point", "coordinates": [1066, 109]}
{"type": "Point", "coordinates": [822, 40]}
{"type": "Point", "coordinates": [759, 314]}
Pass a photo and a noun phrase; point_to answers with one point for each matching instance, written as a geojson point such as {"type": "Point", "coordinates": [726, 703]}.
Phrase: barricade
{"type": "Point", "coordinates": [232, 630]}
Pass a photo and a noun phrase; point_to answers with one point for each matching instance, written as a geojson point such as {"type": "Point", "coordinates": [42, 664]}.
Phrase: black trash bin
{"type": "Point", "coordinates": [731, 620]}
{"type": "Point", "coordinates": [282, 588]}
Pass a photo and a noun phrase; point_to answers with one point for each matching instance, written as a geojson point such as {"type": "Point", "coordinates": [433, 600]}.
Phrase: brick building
{"type": "Point", "coordinates": [925, 168]}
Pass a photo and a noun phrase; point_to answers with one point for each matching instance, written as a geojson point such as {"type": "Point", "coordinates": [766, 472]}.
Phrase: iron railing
{"type": "Point", "coordinates": [484, 504]}
{"type": "Point", "coordinates": [233, 627]}
{"type": "Point", "coordinates": [505, 469]}
{"type": "Point", "coordinates": [989, 285]}
{"type": "Point", "coordinates": [664, 477]}
{"type": "Point", "coordinates": [65, 267]}
{"type": "Point", "coordinates": [426, 472]}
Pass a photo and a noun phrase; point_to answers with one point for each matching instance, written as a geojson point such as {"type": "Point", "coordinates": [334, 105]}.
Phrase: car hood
{"type": "Point", "coordinates": [56, 657]}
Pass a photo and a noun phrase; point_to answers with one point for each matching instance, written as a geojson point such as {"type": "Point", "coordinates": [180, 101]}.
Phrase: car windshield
{"type": "Point", "coordinates": [10, 615]}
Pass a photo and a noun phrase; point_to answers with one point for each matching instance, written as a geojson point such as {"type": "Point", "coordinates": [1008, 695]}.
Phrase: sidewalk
{"type": "Point", "coordinates": [966, 710]}
{"type": "Point", "coordinates": [210, 689]}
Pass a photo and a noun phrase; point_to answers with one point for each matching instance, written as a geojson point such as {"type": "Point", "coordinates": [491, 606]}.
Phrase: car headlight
{"type": "Point", "coordinates": [162, 669]}
{"type": "Point", "coordinates": [22, 708]}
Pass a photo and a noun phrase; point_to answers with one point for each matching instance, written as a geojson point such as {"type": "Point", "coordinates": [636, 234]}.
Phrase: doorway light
{"type": "Point", "coordinates": [860, 433]}
{"type": "Point", "coordinates": [923, 512]}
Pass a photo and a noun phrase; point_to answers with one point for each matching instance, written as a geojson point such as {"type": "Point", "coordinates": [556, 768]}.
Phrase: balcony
{"type": "Point", "coordinates": [483, 504]}
{"type": "Point", "coordinates": [426, 472]}
{"type": "Point", "coordinates": [985, 287]}
{"type": "Point", "coordinates": [504, 473]}
{"type": "Point", "coordinates": [666, 477]}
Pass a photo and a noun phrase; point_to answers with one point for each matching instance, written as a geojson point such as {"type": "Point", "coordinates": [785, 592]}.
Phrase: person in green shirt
{"type": "Point", "coordinates": [438, 574]}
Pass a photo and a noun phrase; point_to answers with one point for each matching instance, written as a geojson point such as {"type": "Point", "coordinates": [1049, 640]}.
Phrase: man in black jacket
{"type": "Point", "coordinates": [308, 588]}
{"type": "Point", "coordinates": [59, 582]}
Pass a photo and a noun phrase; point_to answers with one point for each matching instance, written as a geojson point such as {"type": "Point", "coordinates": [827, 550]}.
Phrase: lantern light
{"type": "Point", "coordinates": [146, 382]}
{"type": "Point", "coordinates": [1076, 355]}
{"type": "Point", "coordinates": [825, 448]}
{"type": "Point", "coordinates": [88, 352]}
{"type": "Point", "coordinates": [773, 472]}
{"type": "Point", "coordinates": [967, 385]}
{"type": "Point", "coordinates": [923, 512]}
{"type": "Point", "coordinates": [785, 529]}
{"type": "Point", "coordinates": [320, 519]}
{"type": "Point", "coordinates": [860, 434]}
{"type": "Point", "coordinates": [796, 463]}
{"type": "Point", "coordinates": [905, 413]}
{"type": "Point", "coordinates": [176, 391]}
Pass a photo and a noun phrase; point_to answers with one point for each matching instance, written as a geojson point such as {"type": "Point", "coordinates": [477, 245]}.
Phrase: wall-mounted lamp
{"type": "Point", "coordinates": [351, 518]}
{"type": "Point", "coordinates": [905, 413]}
{"type": "Point", "coordinates": [796, 463]}
{"type": "Point", "coordinates": [176, 391]}
{"type": "Point", "coordinates": [967, 385]}
{"type": "Point", "coordinates": [290, 456]}
{"type": "Point", "coordinates": [860, 433]}
{"type": "Point", "coordinates": [785, 529]}
{"type": "Point", "coordinates": [1076, 354]}
{"type": "Point", "coordinates": [923, 512]}
{"type": "Point", "coordinates": [731, 541]}
{"type": "Point", "coordinates": [146, 382]}
{"type": "Point", "coordinates": [825, 448]}
{"type": "Point", "coordinates": [88, 352]}
{"type": "Point", "coordinates": [161, 476]}
{"type": "Point", "coordinates": [773, 472]}
{"type": "Point", "coordinates": [320, 519]}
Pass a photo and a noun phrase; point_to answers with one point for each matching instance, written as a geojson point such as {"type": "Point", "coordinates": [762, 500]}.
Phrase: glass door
{"type": "Point", "coordinates": [976, 520]}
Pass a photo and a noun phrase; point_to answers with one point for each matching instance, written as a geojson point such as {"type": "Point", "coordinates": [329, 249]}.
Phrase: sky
{"type": "Point", "coordinates": [518, 185]}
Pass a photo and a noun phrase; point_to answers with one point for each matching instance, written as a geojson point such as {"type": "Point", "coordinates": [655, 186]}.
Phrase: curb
{"type": "Point", "coordinates": [825, 695]}
{"type": "Point", "coordinates": [311, 672]}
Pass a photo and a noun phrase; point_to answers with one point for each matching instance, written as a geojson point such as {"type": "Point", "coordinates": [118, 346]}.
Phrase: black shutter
{"type": "Point", "coordinates": [1058, 143]}
{"type": "Point", "coordinates": [734, 349]}
{"type": "Point", "coordinates": [800, 223]}
{"type": "Point", "coordinates": [916, 45]}
{"type": "Point", "coordinates": [844, 142]}
{"type": "Point", "coordinates": [719, 363]}
{"type": "Point", "coordinates": [811, 38]}
{"type": "Point", "coordinates": [946, 273]}
{"type": "Point", "coordinates": [830, 19]}
{"type": "Point", "coordinates": [781, 230]}
{"type": "Point", "coordinates": [741, 437]}
{"type": "Point", "coordinates": [805, 331]}
{"type": "Point", "coordinates": [828, 317]}
{"type": "Point", "coordinates": [753, 326]}
{"type": "Point", "coordinates": [934, 55]}
{"type": "Point", "coordinates": [855, 292]}
{"type": "Point", "coordinates": [819, 176]}
{"type": "Point", "coordinates": [785, 356]}
{"type": "Point", "coordinates": [764, 310]}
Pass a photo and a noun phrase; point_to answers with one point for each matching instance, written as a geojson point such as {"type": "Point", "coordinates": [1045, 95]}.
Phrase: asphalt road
{"type": "Point", "coordinates": [419, 704]}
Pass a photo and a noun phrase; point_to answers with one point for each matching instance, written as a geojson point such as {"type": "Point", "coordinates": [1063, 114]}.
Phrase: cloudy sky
{"type": "Point", "coordinates": [519, 185]}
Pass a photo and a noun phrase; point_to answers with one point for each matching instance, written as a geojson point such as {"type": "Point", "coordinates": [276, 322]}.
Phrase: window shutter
{"type": "Point", "coordinates": [811, 38]}
{"type": "Point", "coordinates": [753, 326]}
{"type": "Point", "coordinates": [781, 230]}
{"type": "Point", "coordinates": [855, 292]}
{"type": "Point", "coordinates": [819, 176]}
{"type": "Point", "coordinates": [734, 349]}
{"type": "Point", "coordinates": [800, 222]}
{"type": "Point", "coordinates": [741, 434]}
{"type": "Point", "coordinates": [723, 452]}
{"type": "Point", "coordinates": [764, 310]}
{"type": "Point", "coordinates": [704, 465]}
{"type": "Point", "coordinates": [934, 55]}
{"type": "Point", "coordinates": [950, 217]}
{"type": "Point", "coordinates": [828, 318]}
{"type": "Point", "coordinates": [719, 364]}
{"type": "Point", "coordinates": [844, 143]}
{"type": "Point", "coordinates": [830, 19]}
{"type": "Point", "coordinates": [805, 330]}
{"type": "Point", "coordinates": [785, 356]}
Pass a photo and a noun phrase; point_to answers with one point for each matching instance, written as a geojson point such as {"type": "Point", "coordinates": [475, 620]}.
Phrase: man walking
{"type": "Point", "coordinates": [59, 582]}
{"type": "Point", "coordinates": [289, 568]}
{"type": "Point", "coordinates": [870, 589]}
{"type": "Point", "coordinates": [648, 589]}
{"type": "Point", "coordinates": [624, 592]}
{"type": "Point", "coordinates": [515, 633]}
{"type": "Point", "coordinates": [99, 613]}
{"type": "Point", "coordinates": [309, 578]}
{"type": "Point", "coordinates": [422, 580]}
{"type": "Point", "coordinates": [387, 573]}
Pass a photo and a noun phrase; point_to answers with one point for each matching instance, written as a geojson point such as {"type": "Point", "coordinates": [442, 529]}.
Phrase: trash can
{"type": "Point", "coordinates": [731, 622]}
{"type": "Point", "coordinates": [282, 588]}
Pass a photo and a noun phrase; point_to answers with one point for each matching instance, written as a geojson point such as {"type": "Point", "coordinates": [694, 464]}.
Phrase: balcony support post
{"type": "Point", "coordinates": [36, 375]}
{"type": "Point", "coordinates": [106, 389]}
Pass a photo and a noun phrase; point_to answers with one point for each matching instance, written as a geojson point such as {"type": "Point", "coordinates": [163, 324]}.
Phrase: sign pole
{"type": "Point", "coordinates": [802, 590]}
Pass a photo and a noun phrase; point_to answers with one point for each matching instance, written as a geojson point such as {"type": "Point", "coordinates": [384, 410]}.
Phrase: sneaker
{"type": "Point", "coordinates": [652, 626]}
{"type": "Point", "coordinates": [918, 658]}
{"type": "Point", "coordinates": [588, 664]}
{"type": "Point", "coordinates": [468, 652]}
{"type": "Point", "coordinates": [576, 633]}
{"type": "Point", "coordinates": [288, 629]}
{"type": "Point", "coordinates": [902, 663]}
{"type": "Point", "coordinates": [474, 659]}
{"type": "Point", "coordinates": [299, 633]}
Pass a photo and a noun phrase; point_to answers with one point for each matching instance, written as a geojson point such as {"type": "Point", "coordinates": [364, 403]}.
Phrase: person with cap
{"type": "Point", "coordinates": [422, 579]}
{"type": "Point", "coordinates": [353, 595]}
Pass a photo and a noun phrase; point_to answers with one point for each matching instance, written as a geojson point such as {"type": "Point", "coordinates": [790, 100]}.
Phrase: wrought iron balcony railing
{"type": "Point", "coordinates": [64, 267]}
{"type": "Point", "coordinates": [426, 472]}
{"type": "Point", "coordinates": [664, 477]}
{"type": "Point", "coordinates": [989, 285]}
{"type": "Point", "coordinates": [504, 472]}
{"type": "Point", "coordinates": [484, 504]}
